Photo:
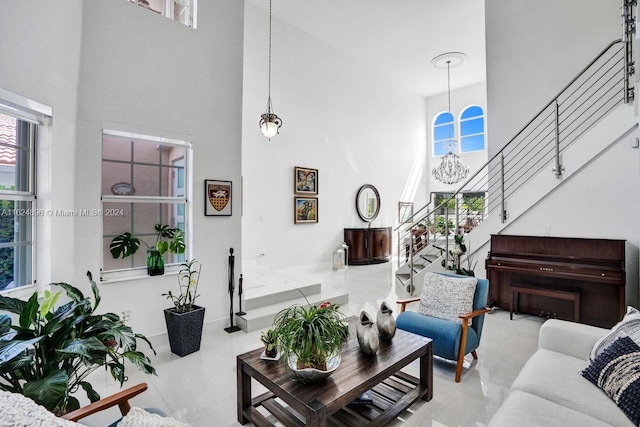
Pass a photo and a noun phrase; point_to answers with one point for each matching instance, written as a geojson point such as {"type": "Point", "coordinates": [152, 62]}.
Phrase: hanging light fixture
{"type": "Point", "coordinates": [451, 170]}
{"type": "Point", "coordinates": [269, 122]}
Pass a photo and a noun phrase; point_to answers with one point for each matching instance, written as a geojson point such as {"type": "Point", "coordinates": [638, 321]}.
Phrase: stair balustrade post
{"type": "Point", "coordinates": [503, 212]}
{"type": "Point", "coordinates": [558, 169]}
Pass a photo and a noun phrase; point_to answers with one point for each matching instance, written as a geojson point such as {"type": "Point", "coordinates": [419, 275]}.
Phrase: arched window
{"type": "Point", "coordinates": [472, 129]}
{"type": "Point", "coordinates": [443, 133]}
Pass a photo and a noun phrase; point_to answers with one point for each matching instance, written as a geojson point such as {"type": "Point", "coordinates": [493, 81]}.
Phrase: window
{"type": "Point", "coordinates": [182, 11]}
{"type": "Point", "coordinates": [145, 181]}
{"type": "Point", "coordinates": [18, 208]}
{"type": "Point", "coordinates": [443, 133]}
{"type": "Point", "coordinates": [472, 129]}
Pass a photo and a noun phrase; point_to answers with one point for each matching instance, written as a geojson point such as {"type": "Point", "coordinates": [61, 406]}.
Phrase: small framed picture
{"type": "Point", "coordinates": [405, 211]}
{"type": "Point", "coordinates": [217, 195]}
{"type": "Point", "coordinates": [305, 181]}
{"type": "Point", "coordinates": [305, 210]}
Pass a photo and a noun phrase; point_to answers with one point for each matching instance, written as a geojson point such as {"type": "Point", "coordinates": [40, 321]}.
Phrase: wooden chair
{"type": "Point", "coordinates": [121, 399]}
{"type": "Point", "coordinates": [451, 340]}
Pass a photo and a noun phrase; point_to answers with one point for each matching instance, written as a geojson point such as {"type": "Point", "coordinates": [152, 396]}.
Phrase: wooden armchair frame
{"type": "Point", "coordinates": [121, 399]}
{"type": "Point", "coordinates": [463, 336]}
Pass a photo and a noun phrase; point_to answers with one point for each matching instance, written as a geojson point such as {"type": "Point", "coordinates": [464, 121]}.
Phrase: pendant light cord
{"type": "Point", "coordinates": [269, 55]}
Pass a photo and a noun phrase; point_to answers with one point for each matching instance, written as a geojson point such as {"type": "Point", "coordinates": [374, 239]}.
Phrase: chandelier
{"type": "Point", "coordinates": [269, 122]}
{"type": "Point", "coordinates": [451, 170]}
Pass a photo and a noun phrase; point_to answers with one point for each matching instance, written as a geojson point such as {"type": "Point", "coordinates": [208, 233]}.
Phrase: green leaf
{"type": "Point", "coordinates": [91, 393]}
{"type": "Point", "coordinates": [177, 244]}
{"type": "Point", "coordinates": [124, 336]}
{"type": "Point", "coordinates": [5, 324]}
{"type": "Point", "coordinates": [94, 288]}
{"type": "Point", "coordinates": [140, 360]}
{"type": "Point", "coordinates": [60, 317]}
{"type": "Point", "coordinates": [143, 338]}
{"type": "Point", "coordinates": [125, 244]}
{"type": "Point", "coordinates": [48, 303]}
{"type": "Point", "coordinates": [83, 347]}
{"type": "Point", "coordinates": [72, 292]}
{"type": "Point", "coordinates": [29, 315]}
{"type": "Point", "coordinates": [12, 305]}
{"type": "Point", "coordinates": [162, 247]}
{"type": "Point", "coordinates": [14, 348]}
{"type": "Point", "coordinates": [21, 361]}
{"type": "Point", "coordinates": [49, 391]}
{"type": "Point", "coordinates": [117, 371]}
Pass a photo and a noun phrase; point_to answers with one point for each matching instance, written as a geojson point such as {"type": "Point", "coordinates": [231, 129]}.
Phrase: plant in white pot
{"type": "Point", "coordinates": [185, 319]}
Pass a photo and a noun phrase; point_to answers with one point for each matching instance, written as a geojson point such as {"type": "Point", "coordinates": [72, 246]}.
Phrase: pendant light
{"type": "Point", "coordinates": [451, 170]}
{"type": "Point", "coordinates": [269, 122]}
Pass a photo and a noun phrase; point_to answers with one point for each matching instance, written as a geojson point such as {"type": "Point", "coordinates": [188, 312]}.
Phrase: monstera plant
{"type": "Point", "coordinates": [48, 354]}
{"type": "Point", "coordinates": [167, 239]}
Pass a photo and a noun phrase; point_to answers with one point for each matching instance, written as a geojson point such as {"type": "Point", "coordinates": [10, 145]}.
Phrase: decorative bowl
{"type": "Point", "coordinates": [312, 374]}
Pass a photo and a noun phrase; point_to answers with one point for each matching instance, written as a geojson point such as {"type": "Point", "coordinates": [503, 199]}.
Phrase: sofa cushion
{"type": "Point", "coordinates": [524, 409]}
{"type": "Point", "coordinates": [556, 377]}
{"type": "Point", "coordinates": [628, 326]}
{"type": "Point", "coordinates": [447, 297]}
{"type": "Point", "coordinates": [616, 371]}
{"type": "Point", "coordinates": [445, 333]}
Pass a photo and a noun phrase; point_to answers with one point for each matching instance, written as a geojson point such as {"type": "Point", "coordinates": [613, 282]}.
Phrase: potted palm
{"type": "Point", "coordinates": [185, 319]}
{"type": "Point", "coordinates": [310, 338]}
{"type": "Point", "coordinates": [167, 239]}
{"type": "Point", "coordinates": [48, 354]}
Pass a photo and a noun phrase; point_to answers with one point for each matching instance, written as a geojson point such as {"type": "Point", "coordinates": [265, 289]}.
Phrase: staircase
{"type": "Point", "coordinates": [276, 292]}
{"type": "Point", "coordinates": [558, 142]}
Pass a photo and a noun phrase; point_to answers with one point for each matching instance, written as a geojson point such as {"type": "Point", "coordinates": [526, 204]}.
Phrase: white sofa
{"type": "Point", "coordinates": [549, 391]}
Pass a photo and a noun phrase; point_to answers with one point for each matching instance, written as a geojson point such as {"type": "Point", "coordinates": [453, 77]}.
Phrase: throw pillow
{"type": "Point", "coordinates": [628, 326]}
{"type": "Point", "coordinates": [447, 297]}
{"type": "Point", "coordinates": [137, 417]}
{"type": "Point", "coordinates": [616, 371]}
{"type": "Point", "coordinates": [17, 410]}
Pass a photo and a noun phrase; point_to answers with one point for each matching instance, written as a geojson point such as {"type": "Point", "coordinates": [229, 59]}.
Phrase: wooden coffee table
{"type": "Point", "coordinates": [295, 403]}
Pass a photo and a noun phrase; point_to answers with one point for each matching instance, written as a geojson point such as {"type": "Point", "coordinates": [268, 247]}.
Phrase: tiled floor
{"type": "Point", "coordinates": [200, 389]}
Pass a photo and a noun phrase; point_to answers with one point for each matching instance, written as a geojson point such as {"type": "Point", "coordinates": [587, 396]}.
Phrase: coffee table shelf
{"type": "Point", "coordinates": [326, 403]}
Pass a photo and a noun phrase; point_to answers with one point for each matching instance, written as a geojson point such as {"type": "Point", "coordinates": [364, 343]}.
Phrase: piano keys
{"type": "Point", "coordinates": [596, 267]}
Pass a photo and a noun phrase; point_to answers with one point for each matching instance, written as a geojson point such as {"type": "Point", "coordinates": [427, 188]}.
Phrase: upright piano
{"type": "Point", "coordinates": [595, 267]}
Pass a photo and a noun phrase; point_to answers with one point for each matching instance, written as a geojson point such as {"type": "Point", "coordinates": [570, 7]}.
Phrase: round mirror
{"type": "Point", "coordinates": [368, 202]}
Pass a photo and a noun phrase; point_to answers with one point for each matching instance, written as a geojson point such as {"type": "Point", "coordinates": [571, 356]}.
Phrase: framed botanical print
{"type": "Point", "coordinates": [305, 210]}
{"type": "Point", "coordinates": [305, 181]}
{"type": "Point", "coordinates": [217, 198]}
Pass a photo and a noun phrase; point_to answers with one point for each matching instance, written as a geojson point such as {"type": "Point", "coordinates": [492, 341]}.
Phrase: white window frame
{"type": "Point", "coordinates": [39, 190]}
{"type": "Point", "coordinates": [166, 139]}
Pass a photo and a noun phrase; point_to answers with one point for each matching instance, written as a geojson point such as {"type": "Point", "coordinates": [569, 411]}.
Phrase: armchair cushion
{"type": "Point", "coordinates": [445, 333]}
{"type": "Point", "coordinates": [447, 297]}
{"type": "Point", "coordinates": [138, 417]}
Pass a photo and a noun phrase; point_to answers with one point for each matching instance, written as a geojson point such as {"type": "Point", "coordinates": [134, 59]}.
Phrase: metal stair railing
{"type": "Point", "coordinates": [601, 86]}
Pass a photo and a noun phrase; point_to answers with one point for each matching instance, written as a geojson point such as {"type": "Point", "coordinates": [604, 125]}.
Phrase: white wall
{"type": "Point", "coordinates": [112, 61]}
{"type": "Point", "coordinates": [353, 125]}
{"type": "Point", "coordinates": [529, 60]}
{"type": "Point", "coordinates": [40, 51]}
{"type": "Point", "coordinates": [534, 48]}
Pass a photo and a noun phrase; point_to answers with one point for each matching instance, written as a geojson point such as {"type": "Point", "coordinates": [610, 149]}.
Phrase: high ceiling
{"type": "Point", "coordinates": [399, 37]}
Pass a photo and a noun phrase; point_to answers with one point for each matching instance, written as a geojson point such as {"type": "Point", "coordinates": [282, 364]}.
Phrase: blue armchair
{"type": "Point", "coordinates": [451, 340]}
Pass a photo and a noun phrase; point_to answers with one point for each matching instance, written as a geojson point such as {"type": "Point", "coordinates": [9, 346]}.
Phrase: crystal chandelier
{"type": "Point", "coordinates": [269, 122]}
{"type": "Point", "coordinates": [451, 170]}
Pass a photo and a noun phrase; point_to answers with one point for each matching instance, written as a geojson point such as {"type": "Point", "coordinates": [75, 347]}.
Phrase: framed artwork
{"type": "Point", "coordinates": [217, 198]}
{"type": "Point", "coordinates": [305, 181]}
{"type": "Point", "coordinates": [305, 210]}
{"type": "Point", "coordinates": [405, 211]}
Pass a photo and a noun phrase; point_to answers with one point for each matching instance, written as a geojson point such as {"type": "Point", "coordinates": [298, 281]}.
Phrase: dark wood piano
{"type": "Point", "coordinates": [594, 268]}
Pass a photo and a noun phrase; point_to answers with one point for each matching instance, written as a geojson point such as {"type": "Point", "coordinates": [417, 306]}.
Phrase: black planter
{"type": "Point", "coordinates": [184, 329]}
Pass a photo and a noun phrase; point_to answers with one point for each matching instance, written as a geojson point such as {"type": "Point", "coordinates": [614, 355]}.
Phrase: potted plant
{"type": "Point", "coordinates": [270, 339]}
{"type": "Point", "coordinates": [167, 239]}
{"type": "Point", "coordinates": [49, 352]}
{"type": "Point", "coordinates": [310, 338]}
{"type": "Point", "coordinates": [185, 319]}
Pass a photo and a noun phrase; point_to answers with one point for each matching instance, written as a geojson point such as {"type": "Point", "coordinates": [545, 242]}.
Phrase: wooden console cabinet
{"type": "Point", "coordinates": [368, 245]}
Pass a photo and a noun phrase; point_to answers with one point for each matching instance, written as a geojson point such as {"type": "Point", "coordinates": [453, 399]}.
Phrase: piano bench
{"type": "Point", "coordinates": [565, 293]}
